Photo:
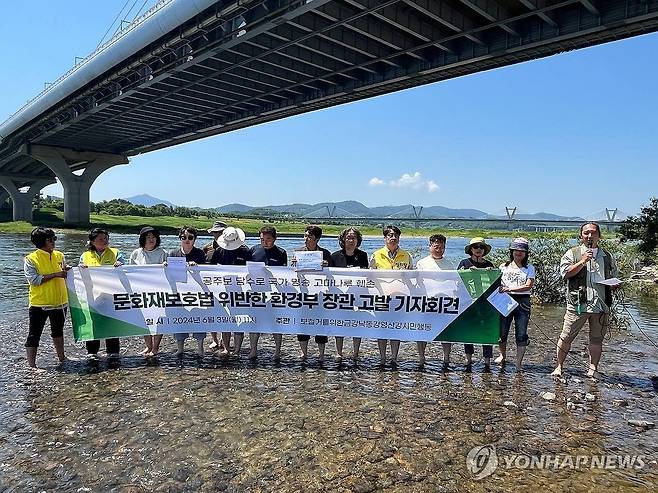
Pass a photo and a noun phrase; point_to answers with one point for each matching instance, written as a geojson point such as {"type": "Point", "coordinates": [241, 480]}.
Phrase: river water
{"type": "Point", "coordinates": [218, 425]}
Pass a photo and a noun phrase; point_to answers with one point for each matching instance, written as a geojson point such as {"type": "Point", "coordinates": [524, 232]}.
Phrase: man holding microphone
{"type": "Point", "coordinates": [583, 268]}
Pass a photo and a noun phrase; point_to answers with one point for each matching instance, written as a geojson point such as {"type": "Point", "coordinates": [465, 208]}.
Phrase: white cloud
{"type": "Point", "coordinates": [414, 181]}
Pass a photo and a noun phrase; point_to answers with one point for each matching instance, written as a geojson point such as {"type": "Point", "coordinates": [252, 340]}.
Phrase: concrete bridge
{"type": "Point", "coordinates": [189, 69]}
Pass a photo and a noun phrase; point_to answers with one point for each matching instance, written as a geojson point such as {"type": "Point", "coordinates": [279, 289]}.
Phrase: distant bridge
{"type": "Point", "coordinates": [189, 69]}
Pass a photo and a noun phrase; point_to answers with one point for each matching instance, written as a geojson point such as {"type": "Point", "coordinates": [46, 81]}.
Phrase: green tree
{"type": "Point", "coordinates": [644, 229]}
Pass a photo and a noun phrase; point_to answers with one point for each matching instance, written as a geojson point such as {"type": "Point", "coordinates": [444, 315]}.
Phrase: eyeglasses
{"type": "Point", "coordinates": [479, 246]}
{"type": "Point", "coordinates": [392, 235]}
{"type": "Point", "coordinates": [188, 237]}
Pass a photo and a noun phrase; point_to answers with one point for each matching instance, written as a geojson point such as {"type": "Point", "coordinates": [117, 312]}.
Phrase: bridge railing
{"type": "Point", "coordinates": [99, 49]}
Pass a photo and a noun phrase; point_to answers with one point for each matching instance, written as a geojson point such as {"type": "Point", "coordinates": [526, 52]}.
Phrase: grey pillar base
{"type": "Point", "coordinates": [76, 187]}
{"type": "Point", "coordinates": [22, 201]}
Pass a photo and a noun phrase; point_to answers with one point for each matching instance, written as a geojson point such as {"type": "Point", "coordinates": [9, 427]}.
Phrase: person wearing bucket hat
{"type": "Point", "coordinates": [476, 250]}
{"type": "Point", "coordinates": [216, 231]}
{"type": "Point", "coordinates": [231, 250]}
{"type": "Point", "coordinates": [517, 278]}
{"type": "Point", "coordinates": [149, 252]}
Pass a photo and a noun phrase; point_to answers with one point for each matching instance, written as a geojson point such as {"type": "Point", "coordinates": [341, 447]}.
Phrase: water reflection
{"type": "Point", "coordinates": [236, 425]}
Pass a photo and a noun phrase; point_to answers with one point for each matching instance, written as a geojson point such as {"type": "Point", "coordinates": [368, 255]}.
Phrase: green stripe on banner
{"type": "Point", "coordinates": [480, 322]}
{"type": "Point", "coordinates": [89, 324]}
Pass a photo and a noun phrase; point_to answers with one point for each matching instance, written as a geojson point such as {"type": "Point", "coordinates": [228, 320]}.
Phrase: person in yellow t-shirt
{"type": "Point", "coordinates": [45, 269]}
{"type": "Point", "coordinates": [390, 257]}
{"type": "Point", "coordinates": [100, 253]}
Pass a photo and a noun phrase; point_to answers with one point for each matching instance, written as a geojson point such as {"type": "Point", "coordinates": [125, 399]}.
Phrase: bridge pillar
{"type": "Point", "coordinates": [76, 187]}
{"type": "Point", "coordinates": [4, 195]}
{"type": "Point", "coordinates": [22, 201]}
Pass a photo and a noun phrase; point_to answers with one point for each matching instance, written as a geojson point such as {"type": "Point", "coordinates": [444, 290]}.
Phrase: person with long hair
{"type": "Point", "coordinates": [351, 257]}
{"type": "Point", "coordinates": [149, 252]}
{"type": "Point", "coordinates": [517, 278]}
{"type": "Point", "coordinates": [99, 253]}
{"type": "Point", "coordinates": [45, 269]}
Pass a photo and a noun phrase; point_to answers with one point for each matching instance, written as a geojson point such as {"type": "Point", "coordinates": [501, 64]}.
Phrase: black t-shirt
{"type": "Point", "coordinates": [467, 263]}
{"type": "Point", "coordinates": [274, 257]}
{"type": "Point", "coordinates": [342, 259]}
{"type": "Point", "coordinates": [195, 255]}
{"type": "Point", "coordinates": [326, 254]}
{"type": "Point", "coordinates": [239, 256]}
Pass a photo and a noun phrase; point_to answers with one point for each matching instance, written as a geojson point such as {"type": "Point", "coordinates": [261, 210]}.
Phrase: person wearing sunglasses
{"type": "Point", "coordinates": [45, 269]}
{"type": "Point", "coordinates": [193, 256]}
{"type": "Point", "coordinates": [149, 253]}
{"type": "Point", "coordinates": [476, 250]}
{"type": "Point", "coordinates": [99, 253]}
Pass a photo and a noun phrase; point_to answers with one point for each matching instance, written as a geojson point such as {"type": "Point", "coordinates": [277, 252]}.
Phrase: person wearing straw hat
{"type": "Point", "coordinates": [517, 278]}
{"type": "Point", "coordinates": [231, 250]}
{"type": "Point", "coordinates": [476, 250]}
{"type": "Point", "coordinates": [216, 231]}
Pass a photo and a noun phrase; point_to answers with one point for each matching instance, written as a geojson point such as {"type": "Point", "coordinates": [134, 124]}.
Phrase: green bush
{"type": "Point", "coordinates": [545, 255]}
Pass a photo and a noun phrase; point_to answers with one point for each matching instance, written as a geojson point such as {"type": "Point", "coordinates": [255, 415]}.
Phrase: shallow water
{"type": "Point", "coordinates": [209, 425]}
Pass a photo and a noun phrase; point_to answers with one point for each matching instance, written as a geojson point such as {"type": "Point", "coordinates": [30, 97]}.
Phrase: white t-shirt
{"type": "Point", "coordinates": [514, 277]}
{"type": "Point", "coordinates": [429, 263]}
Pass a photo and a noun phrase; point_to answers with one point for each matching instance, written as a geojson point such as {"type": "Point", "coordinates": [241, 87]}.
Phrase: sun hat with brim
{"type": "Point", "coordinates": [476, 241]}
{"type": "Point", "coordinates": [231, 239]}
{"type": "Point", "coordinates": [520, 244]}
{"type": "Point", "coordinates": [148, 229]}
{"type": "Point", "coordinates": [217, 227]}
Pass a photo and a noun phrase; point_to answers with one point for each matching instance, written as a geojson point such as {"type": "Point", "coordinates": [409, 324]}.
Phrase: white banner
{"type": "Point", "coordinates": [152, 299]}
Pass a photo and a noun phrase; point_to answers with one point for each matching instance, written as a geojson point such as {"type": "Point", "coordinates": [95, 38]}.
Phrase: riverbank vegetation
{"type": "Point", "coordinates": [170, 224]}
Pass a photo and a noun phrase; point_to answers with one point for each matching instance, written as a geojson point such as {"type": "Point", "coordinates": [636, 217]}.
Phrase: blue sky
{"type": "Point", "coordinates": [571, 134]}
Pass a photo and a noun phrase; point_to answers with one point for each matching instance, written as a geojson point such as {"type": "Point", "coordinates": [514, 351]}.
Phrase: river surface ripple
{"type": "Point", "coordinates": [217, 425]}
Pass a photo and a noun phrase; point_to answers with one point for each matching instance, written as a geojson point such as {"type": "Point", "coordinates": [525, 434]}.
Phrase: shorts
{"type": "Point", "coordinates": [573, 323]}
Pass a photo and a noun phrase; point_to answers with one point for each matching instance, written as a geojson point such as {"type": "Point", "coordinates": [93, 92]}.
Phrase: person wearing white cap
{"type": "Point", "coordinates": [231, 250]}
{"type": "Point", "coordinates": [517, 278]}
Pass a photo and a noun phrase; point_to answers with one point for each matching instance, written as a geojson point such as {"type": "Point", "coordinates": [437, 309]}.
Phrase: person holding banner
{"type": "Point", "coordinates": [517, 279]}
{"type": "Point", "coordinates": [435, 261]}
{"type": "Point", "coordinates": [216, 231]}
{"type": "Point", "coordinates": [476, 250]}
{"type": "Point", "coordinates": [193, 256]}
{"type": "Point", "coordinates": [99, 253]}
{"type": "Point", "coordinates": [351, 257]}
{"type": "Point", "coordinates": [271, 255]}
{"type": "Point", "coordinates": [149, 252]}
{"type": "Point", "coordinates": [45, 269]}
{"type": "Point", "coordinates": [312, 235]}
{"type": "Point", "coordinates": [391, 257]}
{"type": "Point", "coordinates": [231, 250]}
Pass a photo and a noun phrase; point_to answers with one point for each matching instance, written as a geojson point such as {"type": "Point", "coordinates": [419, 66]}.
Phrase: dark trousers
{"type": "Point", "coordinates": [487, 350]}
{"type": "Point", "coordinates": [38, 317]}
{"type": "Point", "coordinates": [111, 346]}
{"type": "Point", "coordinates": [318, 339]}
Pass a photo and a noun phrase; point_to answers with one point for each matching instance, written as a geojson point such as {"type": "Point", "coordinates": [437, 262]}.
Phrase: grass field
{"type": "Point", "coordinates": [170, 225]}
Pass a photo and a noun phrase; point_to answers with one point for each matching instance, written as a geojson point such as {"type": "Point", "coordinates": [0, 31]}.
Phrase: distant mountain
{"type": "Point", "coordinates": [241, 208]}
{"type": "Point", "coordinates": [148, 200]}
